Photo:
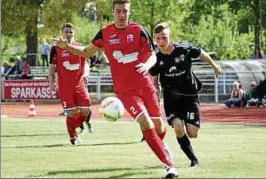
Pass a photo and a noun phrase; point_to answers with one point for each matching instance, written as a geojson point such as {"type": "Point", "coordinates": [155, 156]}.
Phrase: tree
{"type": "Point", "coordinates": [23, 16]}
{"type": "Point", "coordinates": [206, 6]}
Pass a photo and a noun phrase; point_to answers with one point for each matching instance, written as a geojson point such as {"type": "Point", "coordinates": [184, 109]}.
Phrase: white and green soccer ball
{"type": "Point", "coordinates": [112, 109]}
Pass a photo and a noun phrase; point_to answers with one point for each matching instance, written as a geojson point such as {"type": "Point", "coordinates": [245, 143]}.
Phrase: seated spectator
{"type": "Point", "coordinates": [25, 70]}
{"type": "Point", "coordinates": [16, 69]}
{"type": "Point", "coordinates": [261, 92]}
{"type": "Point", "coordinates": [236, 97]}
{"type": "Point", "coordinates": [6, 67]}
{"type": "Point", "coordinates": [251, 96]}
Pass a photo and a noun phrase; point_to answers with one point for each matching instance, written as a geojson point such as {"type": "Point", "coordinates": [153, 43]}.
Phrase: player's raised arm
{"type": "Point", "coordinates": [204, 56]}
{"type": "Point", "coordinates": [86, 51]}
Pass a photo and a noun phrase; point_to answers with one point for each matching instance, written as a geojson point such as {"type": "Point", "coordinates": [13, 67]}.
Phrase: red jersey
{"type": "Point", "coordinates": [125, 48]}
{"type": "Point", "coordinates": [69, 67]}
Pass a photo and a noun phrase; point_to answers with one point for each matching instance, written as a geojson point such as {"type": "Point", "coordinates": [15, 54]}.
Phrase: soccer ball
{"type": "Point", "coordinates": [112, 109]}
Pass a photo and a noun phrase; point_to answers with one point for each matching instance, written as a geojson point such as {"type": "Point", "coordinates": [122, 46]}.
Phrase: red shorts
{"type": "Point", "coordinates": [72, 99]}
{"type": "Point", "coordinates": [138, 101]}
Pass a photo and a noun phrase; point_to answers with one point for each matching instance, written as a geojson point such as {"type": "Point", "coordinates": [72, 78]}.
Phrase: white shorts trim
{"type": "Point", "coordinates": [68, 109]}
{"type": "Point", "coordinates": [83, 107]}
{"type": "Point", "coordinates": [136, 118]}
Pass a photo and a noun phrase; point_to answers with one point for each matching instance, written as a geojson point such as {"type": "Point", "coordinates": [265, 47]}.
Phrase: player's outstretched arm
{"type": "Point", "coordinates": [204, 56]}
{"type": "Point", "coordinates": [86, 52]}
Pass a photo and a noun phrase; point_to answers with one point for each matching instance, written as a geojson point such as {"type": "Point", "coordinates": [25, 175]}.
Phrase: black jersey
{"type": "Point", "coordinates": [175, 69]}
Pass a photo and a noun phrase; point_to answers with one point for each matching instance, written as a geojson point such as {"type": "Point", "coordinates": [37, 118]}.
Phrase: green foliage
{"type": "Point", "coordinates": [222, 26]}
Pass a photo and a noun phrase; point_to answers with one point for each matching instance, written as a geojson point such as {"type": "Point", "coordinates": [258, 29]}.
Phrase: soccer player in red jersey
{"type": "Point", "coordinates": [73, 93]}
{"type": "Point", "coordinates": [129, 50]}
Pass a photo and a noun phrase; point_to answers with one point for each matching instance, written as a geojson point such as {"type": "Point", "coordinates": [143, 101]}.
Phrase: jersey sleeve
{"type": "Point", "coordinates": [194, 52]}
{"type": "Point", "coordinates": [53, 57]}
{"type": "Point", "coordinates": [98, 39]}
{"type": "Point", "coordinates": [146, 43]}
{"type": "Point", "coordinates": [154, 71]}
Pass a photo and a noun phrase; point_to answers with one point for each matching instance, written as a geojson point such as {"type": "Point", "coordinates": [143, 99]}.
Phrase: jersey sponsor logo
{"type": "Point", "coordinates": [65, 53]}
{"type": "Point", "coordinates": [175, 74]}
{"type": "Point", "coordinates": [161, 63]}
{"type": "Point", "coordinates": [114, 41]}
{"type": "Point", "coordinates": [71, 67]}
{"type": "Point", "coordinates": [125, 58]}
{"type": "Point", "coordinates": [130, 38]}
{"type": "Point", "coordinates": [172, 69]}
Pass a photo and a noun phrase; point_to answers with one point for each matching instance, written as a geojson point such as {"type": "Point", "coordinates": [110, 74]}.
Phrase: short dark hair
{"type": "Point", "coordinates": [69, 25]}
{"type": "Point", "coordinates": [160, 27]}
{"type": "Point", "coordinates": [120, 2]}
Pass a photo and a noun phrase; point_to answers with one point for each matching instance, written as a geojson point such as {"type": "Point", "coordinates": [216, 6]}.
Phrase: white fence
{"type": "Point", "coordinates": [213, 91]}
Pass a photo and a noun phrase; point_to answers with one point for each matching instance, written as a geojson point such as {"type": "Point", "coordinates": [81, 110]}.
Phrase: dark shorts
{"type": "Point", "coordinates": [186, 108]}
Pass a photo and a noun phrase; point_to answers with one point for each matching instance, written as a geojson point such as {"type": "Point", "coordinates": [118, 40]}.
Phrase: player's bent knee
{"type": "Point", "coordinates": [72, 113]}
{"type": "Point", "coordinates": [85, 111]}
{"type": "Point", "coordinates": [179, 132]}
{"type": "Point", "coordinates": [159, 125]}
{"type": "Point", "coordinates": [192, 131]}
{"type": "Point", "coordinates": [193, 134]}
{"type": "Point", "coordinates": [145, 121]}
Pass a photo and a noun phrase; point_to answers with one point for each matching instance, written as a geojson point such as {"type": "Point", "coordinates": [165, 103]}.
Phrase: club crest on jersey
{"type": "Point", "coordinates": [179, 59]}
{"type": "Point", "coordinates": [130, 38]}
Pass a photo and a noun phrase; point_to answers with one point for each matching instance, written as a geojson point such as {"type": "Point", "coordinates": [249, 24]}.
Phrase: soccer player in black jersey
{"type": "Point", "coordinates": [180, 86]}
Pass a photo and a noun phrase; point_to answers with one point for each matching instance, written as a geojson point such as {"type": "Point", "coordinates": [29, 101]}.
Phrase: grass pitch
{"type": "Point", "coordinates": [40, 148]}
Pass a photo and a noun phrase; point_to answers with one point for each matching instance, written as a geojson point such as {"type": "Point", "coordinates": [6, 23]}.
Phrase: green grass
{"type": "Point", "coordinates": [40, 148]}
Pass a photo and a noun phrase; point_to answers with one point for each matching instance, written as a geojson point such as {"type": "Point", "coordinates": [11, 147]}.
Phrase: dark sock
{"type": "Point", "coordinates": [88, 118]}
{"type": "Point", "coordinates": [81, 126]}
{"type": "Point", "coordinates": [187, 147]}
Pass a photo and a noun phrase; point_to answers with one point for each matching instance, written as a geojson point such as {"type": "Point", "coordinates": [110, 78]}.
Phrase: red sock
{"type": "Point", "coordinates": [155, 143]}
{"type": "Point", "coordinates": [162, 135]}
{"type": "Point", "coordinates": [70, 127]}
{"type": "Point", "coordinates": [78, 120]}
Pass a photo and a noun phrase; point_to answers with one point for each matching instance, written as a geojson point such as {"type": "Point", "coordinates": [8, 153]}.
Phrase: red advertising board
{"type": "Point", "coordinates": [28, 89]}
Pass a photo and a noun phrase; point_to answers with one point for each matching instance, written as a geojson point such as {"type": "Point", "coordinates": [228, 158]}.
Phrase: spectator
{"type": "Point", "coordinates": [251, 96]}
{"type": "Point", "coordinates": [2, 70]}
{"type": "Point", "coordinates": [237, 96]}
{"type": "Point", "coordinates": [44, 48]}
{"type": "Point", "coordinates": [102, 60]}
{"type": "Point", "coordinates": [16, 69]}
{"type": "Point", "coordinates": [257, 55]}
{"type": "Point", "coordinates": [6, 66]}
{"type": "Point", "coordinates": [261, 92]}
{"type": "Point", "coordinates": [25, 70]}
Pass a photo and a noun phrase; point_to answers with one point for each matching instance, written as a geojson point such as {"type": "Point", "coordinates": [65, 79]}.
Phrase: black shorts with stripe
{"type": "Point", "coordinates": [184, 107]}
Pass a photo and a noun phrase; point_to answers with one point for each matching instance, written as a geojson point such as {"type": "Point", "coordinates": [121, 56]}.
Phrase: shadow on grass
{"type": "Point", "coordinates": [30, 135]}
{"type": "Point", "coordinates": [38, 146]}
{"type": "Point", "coordinates": [69, 145]}
{"type": "Point", "coordinates": [128, 172]}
